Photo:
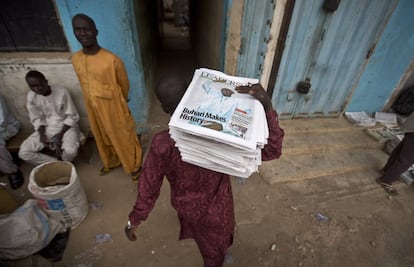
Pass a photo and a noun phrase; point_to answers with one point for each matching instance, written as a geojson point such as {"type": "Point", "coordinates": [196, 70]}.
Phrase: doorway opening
{"type": "Point", "coordinates": [178, 36]}
{"type": "Point", "coordinates": [175, 50]}
{"type": "Point", "coordinates": [174, 20]}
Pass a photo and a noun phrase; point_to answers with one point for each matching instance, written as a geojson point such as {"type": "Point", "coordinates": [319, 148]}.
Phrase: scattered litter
{"type": "Point", "coordinates": [101, 238]}
{"type": "Point", "coordinates": [99, 190]}
{"type": "Point", "coordinates": [273, 247]}
{"type": "Point", "coordinates": [152, 252]}
{"type": "Point", "coordinates": [88, 258]}
{"type": "Point", "coordinates": [360, 119]}
{"type": "Point", "coordinates": [294, 208]}
{"type": "Point", "coordinates": [267, 196]}
{"type": "Point", "coordinates": [382, 134]}
{"type": "Point", "coordinates": [372, 243]}
{"type": "Point", "coordinates": [320, 217]}
{"type": "Point", "coordinates": [165, 246]}
{"type": "Point", "coordinates": [3, 184]}
{"type": "Point", "coordinates": [408, 176]}
{"type": "Point", "coordinates": [240, 180]}
{"type": "Point", "coordinates": [386, 118]}
{"type": "Point", "coordinates": [228, 258]}
{"type": "Point", "coordinates": [95, 205]}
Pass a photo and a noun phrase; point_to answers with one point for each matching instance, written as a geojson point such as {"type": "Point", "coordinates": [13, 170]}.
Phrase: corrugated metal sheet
{"type": "Point", "coordinates": [257, 18]}
{"type": "Point", "coordinates": [331, 49]}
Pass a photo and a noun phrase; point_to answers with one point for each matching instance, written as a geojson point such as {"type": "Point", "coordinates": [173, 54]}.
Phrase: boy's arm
{"type": "Point", "coordinates": [149, 185]}
{"type": "Point", "coordinates": [273, 148]}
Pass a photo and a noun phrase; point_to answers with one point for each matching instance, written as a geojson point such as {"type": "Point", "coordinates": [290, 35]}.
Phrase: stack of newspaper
{"type": "Point", "coordinates": [360, 118]}
{"type": "Point", "coordinates": [386, 118]}
{"type": "Point", "coordinates": [216, 128]}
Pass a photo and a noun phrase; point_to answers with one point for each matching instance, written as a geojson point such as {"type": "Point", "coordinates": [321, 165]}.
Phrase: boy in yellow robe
{"type": "Point", "coordinates": [105, 87]}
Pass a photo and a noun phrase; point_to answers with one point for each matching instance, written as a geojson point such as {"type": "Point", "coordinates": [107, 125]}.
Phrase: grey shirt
{"type": "Point", "coordinates": [9, 125]}
{"type": "Point", "coordinates": [408, 125]}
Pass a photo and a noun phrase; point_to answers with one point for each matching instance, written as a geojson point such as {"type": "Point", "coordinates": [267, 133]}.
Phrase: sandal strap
{"type": "Point", "coordinates": [389, 188]}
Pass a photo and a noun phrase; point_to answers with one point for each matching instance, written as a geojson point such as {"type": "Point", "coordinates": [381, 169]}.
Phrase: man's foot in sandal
{"type": "Point", "coordinates": [389, 188]}
{"type": "Point", "coordinates": [105, 171]}
{"type": "Point", "coordinates": [135, 175]}
{"type": "Point", "coordinates": [16, 180]}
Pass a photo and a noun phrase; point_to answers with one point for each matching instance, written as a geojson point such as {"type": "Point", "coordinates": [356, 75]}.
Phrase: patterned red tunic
{"type": "Point", "coordinates": [203, 198]}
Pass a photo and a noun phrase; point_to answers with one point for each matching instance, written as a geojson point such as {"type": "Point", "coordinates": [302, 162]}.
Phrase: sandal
{"type": "Point", "coordinates": [16, 180]}
{"type": "Point", "coordinates": [135, 175]}
{"type": "Point", "coordinates": [105, 171]}
{"type": "Point", "coordinates": [389, 188]}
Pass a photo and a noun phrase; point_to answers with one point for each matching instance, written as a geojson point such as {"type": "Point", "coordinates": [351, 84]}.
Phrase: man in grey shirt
{"type": "Point", "coordinates": [401, 158]}
{"type": "Point", "coordinates": [9, 127]}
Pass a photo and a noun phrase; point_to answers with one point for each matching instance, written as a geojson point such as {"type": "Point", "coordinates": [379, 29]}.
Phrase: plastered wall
{"type": "Point", "coordinates": [118, 33]}
{"type": "Point", "coordinates": [58, 71]}
{"type": "Point", "coordinates": [233, 37]}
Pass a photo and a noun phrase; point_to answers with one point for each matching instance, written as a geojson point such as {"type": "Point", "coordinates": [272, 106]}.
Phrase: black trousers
{"type": "Point", "coordinates": [401, 158]}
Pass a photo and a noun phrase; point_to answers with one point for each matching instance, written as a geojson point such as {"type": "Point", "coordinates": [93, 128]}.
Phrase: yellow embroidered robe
{"type": "Point", "coordinates": [105, 87]}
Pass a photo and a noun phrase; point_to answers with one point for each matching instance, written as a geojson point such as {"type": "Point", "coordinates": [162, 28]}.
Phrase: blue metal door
{"type": "Point", "coordinates": [255, 31]}
{"type": "Point", "coordinates": [330, 49]}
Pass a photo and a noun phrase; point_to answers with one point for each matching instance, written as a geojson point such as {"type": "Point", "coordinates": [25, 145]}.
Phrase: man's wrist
{"type": "Point", "coordinates": [129, 225]}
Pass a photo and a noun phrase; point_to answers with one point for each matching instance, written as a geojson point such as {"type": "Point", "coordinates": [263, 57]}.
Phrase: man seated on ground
{"type": "Point", "coordinates": [9, 127]}
{"type": "Point", "coordinates": [55, 120]}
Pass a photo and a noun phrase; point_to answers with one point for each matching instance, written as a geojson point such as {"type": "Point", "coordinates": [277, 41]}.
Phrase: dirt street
{"type": "Point", "coordinates": [331, 221]}
{"type": "Point", "coordinates": [343, 220]}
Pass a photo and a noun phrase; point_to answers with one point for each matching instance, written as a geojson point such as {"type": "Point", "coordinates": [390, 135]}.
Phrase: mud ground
{"type": "Point", "coordinates": [343, 220]}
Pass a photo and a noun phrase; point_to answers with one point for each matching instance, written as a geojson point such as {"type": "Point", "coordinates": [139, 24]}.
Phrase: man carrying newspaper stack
{"type": "Point", "coordinates": [203, 198]}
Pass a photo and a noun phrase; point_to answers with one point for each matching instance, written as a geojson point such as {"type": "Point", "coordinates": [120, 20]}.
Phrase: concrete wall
{"type": "Point", "coordinates": [233, 37]}
{"type": "Point", "coordinates": [147, 25]}
{"type": "Point", "coordinates": [389, 63]}
{"type": "Point", "coordinates": [206, 34]}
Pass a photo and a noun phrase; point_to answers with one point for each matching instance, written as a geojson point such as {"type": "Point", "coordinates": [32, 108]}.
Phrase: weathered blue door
{"type": "Point", "coordinates": [325, 53]}
{"type": "Point", "coordinates": [257, 17]}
